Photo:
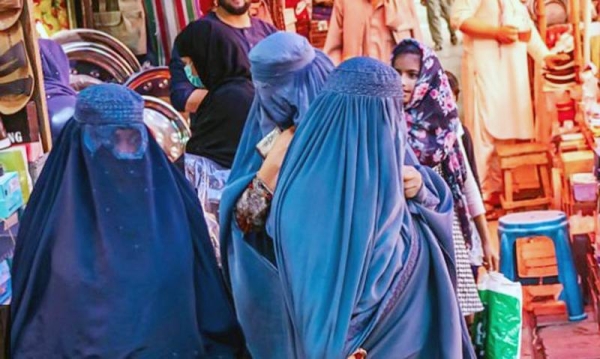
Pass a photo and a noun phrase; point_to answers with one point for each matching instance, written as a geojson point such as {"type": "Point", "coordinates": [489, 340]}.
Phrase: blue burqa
{"type": "Point", "coordinates": [357, 266]}
{"type": "Point", "coordinates": [113, 259]}
{"type": "Point", "coordinates": [60, 97]}
{"type": "Point", "coordinates": [288, 73]}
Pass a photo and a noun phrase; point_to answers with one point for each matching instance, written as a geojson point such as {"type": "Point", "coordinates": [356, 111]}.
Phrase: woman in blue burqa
{"type": "Point", "coordinates": [360, 267]}
{"type": "Point", "coordinates": [344, 266]}
{"type": "Point", "coordinates": [113, 259]}
{"type": "Point", "coordinates": [287, 73]}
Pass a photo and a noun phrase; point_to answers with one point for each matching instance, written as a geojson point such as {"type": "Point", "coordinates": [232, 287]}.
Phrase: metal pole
{"type": "Point", "coordinates": [587, 19]}
{"type": "Point", "coordinates": [542, 23]}
{"type": "Point", "coordinates": [39, 95]}
{"type": "Point", "coordinates": [576, 23]}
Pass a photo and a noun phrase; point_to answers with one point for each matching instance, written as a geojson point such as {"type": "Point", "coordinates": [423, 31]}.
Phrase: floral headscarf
{"type": "Point", "coordinates": [432, 120]}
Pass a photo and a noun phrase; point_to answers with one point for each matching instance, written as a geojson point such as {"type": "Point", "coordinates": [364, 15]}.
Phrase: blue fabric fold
{"type": "Point", "coordinates": [253, 278]}
{"type": "Point", "coordinates": [357, 266]}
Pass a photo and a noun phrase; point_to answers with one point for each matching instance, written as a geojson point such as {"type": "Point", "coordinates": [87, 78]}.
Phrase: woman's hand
{"type": "Point", "coordinates": [412, 181]}
{"type": "Point", "coordinates": [490, 257]}
{"type": "Point", "coordinates": [507, 34]}
{"type": "Point", "coordinates": [359, 354]}
{"type": "Point", "coordinates": [269, 171]}
{"type": "Point", "coordinates": [491, 262]}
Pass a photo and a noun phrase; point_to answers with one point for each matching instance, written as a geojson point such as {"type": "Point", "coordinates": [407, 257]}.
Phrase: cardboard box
{"type": "Point", "coordinates": [11, 197]}
{"type": "Point", "coordinates": [577, 162]}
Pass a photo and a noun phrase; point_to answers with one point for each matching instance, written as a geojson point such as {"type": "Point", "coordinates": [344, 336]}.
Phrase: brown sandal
{"type": "Point", "coordinates": [10, 11]}
{"type": "Point", "coordinates": [17, 82]}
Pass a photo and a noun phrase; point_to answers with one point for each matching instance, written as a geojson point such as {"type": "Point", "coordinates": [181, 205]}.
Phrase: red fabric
{"type": "Point", "coordinates": [566, 111]}
{"type": "Point", "coordinates": [179, 12]}
{"type": "Point", "coordinates": [554, 33]}
{"type": "Point", "coordinates": [160, 14]}
{"type": "Point", "coordinates": [206, 5]}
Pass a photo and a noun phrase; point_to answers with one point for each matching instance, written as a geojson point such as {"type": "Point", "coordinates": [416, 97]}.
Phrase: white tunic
{"type": "Point", "coordinates": [495, 78]}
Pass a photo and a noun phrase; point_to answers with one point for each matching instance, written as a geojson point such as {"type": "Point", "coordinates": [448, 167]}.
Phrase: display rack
{"type": "Point", "coordinates": [31, 124]}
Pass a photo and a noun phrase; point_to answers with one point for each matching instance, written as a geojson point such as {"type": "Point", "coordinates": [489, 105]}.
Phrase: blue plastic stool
{"type": "Point", "coordinates": [551, 224]}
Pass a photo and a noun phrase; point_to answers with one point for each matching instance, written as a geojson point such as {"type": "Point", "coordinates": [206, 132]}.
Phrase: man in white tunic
{"type": "Point", "coordinates": [498, 35]}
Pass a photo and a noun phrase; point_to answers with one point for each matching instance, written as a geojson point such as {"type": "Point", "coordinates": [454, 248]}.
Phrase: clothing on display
{"type": "Point", "coordinates": [52, 14]}
{"type": "Point", "coordinates": [166, 19]}
{"type": "Point", "coordinates": [123, 19]}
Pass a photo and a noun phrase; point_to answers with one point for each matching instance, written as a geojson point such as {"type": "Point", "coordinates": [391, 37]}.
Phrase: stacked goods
{"type": "Point", "coordinates": [563, 76]}
{"type": "Point", "coordinates": [318, 33]}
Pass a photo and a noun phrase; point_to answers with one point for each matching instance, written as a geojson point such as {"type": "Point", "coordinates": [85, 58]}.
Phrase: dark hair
{"type": "Point", "coordinates": [453, 81]}
{"type": "Point", "coordinates": [180, 43]}
{"type": "Point", "coordinates": [404, 48]}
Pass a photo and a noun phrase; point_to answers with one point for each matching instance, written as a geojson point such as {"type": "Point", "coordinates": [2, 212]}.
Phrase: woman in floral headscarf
{"type": "Point", "coordinates": [433, 128]}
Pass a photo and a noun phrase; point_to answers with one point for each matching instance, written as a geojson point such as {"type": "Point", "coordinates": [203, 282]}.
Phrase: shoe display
{"type": "Point", "coordinates": [16, 72]}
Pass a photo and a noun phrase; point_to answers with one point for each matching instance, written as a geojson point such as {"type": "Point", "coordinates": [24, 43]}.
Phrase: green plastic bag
{"type": "Point", "coordinates": [497, 331]}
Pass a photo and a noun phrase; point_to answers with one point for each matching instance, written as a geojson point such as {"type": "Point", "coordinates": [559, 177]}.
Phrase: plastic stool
{"type": "Point", "coordinates": [551, 224]}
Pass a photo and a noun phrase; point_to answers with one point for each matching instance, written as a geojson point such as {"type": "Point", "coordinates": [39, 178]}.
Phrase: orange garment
{"type": "Point", "coordinates": [366, 28]}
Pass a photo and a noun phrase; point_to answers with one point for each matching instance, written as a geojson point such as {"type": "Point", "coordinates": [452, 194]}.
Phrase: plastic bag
{"type": "Point", "coordinates": [497, 331]}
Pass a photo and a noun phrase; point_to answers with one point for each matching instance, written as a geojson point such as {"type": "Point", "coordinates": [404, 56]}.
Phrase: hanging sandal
{"type": "Point", "coordinates": [10, 11]}
{"type": "Point", "coordinates": [16, 86]}
{"type": "Point", "coordinates": [13, 59]}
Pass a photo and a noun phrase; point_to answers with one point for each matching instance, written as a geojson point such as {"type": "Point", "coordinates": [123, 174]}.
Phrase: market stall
{"type": "Point", "coordinates": [572, 89]}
